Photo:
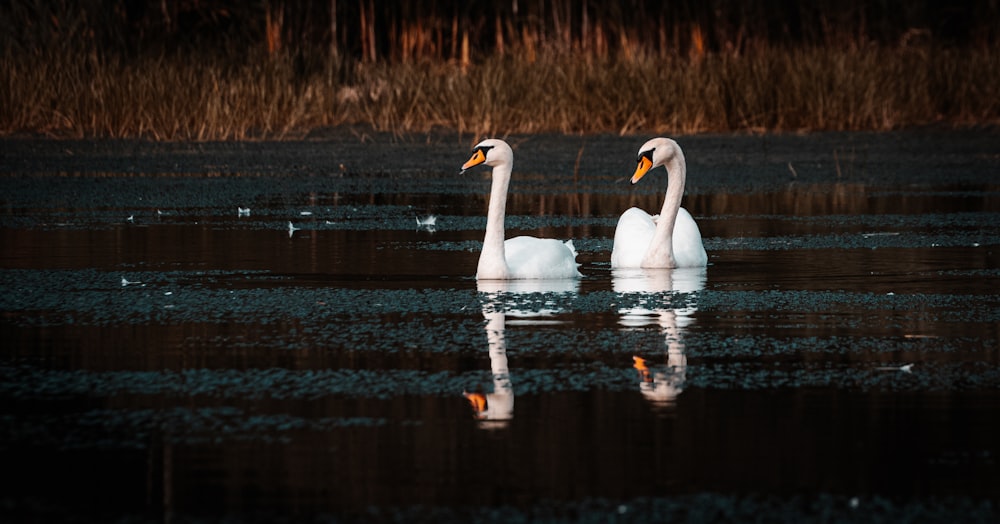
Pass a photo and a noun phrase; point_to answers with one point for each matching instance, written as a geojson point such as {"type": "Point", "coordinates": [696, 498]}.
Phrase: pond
{"type": "Point", "coordinates": [276, 330]}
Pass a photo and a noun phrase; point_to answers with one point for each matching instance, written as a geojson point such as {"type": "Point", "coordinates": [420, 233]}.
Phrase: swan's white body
{"type": "Point", "coordinates": [670, 239]}
{"type": "Point", "coordinates": [636, 231]}
{"type": "Point", "coordinates": [521, 257]}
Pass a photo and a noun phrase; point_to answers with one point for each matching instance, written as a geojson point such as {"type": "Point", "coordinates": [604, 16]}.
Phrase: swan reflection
{"type": "Point", "coordinates": [660, 384]}
{"type": "Point", "coordinates": [507, 298]}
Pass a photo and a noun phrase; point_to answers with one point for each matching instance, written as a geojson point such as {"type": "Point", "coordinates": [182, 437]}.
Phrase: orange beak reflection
{"type": "Point", "coordinates": [639, 364]}
{"type": "Point", "coordinates": [478, 157]}
{"type": "Point", "coordinates": [477, 401]}
{"type": "Point", "coordinates": [643, 168]}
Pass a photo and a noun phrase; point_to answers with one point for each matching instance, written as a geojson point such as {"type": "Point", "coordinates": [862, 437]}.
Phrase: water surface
{"type": "Point", "coordinates": [168, 355]}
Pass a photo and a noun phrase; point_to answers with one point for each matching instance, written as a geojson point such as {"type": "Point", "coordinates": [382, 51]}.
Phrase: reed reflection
{"type": "Point", "coordinates": [661, 384]}
{"type": "Point", "coordinates": [505, 298]}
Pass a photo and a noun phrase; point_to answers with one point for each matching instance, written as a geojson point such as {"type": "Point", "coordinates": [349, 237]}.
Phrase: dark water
{"type": "Point", "coordinates": [167, 357]}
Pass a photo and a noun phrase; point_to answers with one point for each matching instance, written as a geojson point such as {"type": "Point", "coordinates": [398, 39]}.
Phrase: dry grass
{"type": "Point", "coordinates": [276, 96]}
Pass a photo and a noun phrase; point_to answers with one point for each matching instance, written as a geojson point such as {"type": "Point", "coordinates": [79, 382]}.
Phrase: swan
{"type": "Point", "coordinates": [521, 257]}
{"type": "Point", "coordinates": [670, 239]}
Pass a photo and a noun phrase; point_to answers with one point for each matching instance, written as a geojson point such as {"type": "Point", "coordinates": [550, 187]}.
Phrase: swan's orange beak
{"type": "Point", "coordinates": [478, 157]}
{"type": "Point", "coordinates": [640, 171]}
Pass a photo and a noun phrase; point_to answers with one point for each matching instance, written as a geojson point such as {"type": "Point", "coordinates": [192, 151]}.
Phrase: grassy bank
{"type": "Point", "coordinates": [277, 95]}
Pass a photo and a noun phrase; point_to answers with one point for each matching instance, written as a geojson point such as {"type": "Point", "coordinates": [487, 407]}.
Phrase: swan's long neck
{"type": "Point", "coordinates": [661, 250]}
{"type": "Point", "coordinates": [492, 260]}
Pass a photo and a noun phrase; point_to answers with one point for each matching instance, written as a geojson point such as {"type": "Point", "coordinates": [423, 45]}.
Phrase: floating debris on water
{"type": "Point", "coordinates": [906, 368]}
{"type": "Point", "coordinates": [126, 282]}
{"type": "Point", "coordinates": [427, 223]}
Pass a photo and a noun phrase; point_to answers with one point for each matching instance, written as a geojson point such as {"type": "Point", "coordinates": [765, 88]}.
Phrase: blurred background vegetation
{"type": "Point", "coordinates": [225, 69]}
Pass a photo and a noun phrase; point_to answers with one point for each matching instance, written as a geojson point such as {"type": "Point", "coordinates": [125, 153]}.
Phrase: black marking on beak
{"type": "Point", "coordinates": [648, 154]}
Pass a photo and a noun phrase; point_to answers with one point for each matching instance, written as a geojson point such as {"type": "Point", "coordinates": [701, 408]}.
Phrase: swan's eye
{"type": "Point", "coordinates": [485, 149]}
{"type": "Point", "coordinates": [648, 155]}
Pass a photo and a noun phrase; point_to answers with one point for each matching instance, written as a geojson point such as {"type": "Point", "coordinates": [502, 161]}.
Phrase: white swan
{"type": "Point", "coordinates": [672, 238]}
{"type": "Point", "coordinates": [519, 257]}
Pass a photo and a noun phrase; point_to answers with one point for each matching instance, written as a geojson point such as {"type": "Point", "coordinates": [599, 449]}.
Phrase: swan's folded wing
{"type": "Point", "coordinates": [531, 257]}
{"type": "Point", "coordinates": [632, 237]}
{"type": "Point", "coordinates": [689, 251]}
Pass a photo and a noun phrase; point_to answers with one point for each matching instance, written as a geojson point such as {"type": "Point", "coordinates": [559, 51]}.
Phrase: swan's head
{"type": "Point", "coordinates": [491, 152]}
{"type": "Point", "coordinates": [655, 153]}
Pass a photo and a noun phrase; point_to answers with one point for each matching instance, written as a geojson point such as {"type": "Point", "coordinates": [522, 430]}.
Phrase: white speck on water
{"type": "Point", "coordinates": [305, 213]}
{"type": "Point", "coordinates": [427, 223]}
{"type": "Point", "coordinates": [905, 368]}
{"type": "Point", "coordinates": [242, 211]}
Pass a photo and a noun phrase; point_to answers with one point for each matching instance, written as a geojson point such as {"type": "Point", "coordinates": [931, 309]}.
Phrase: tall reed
{"type": "Point", "coordinates": [224, 69]}
{"type": "Point", "coordinates": [173, 98]}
